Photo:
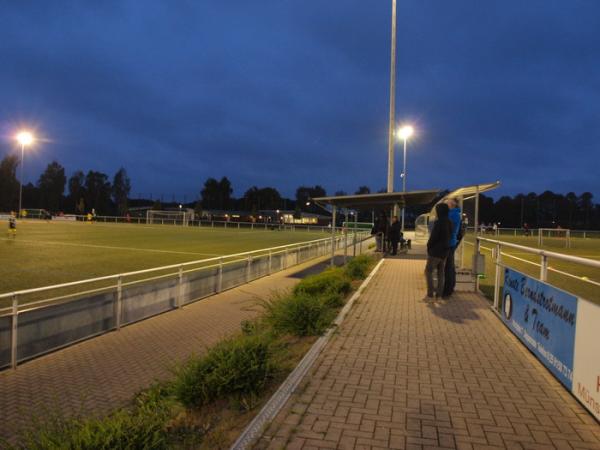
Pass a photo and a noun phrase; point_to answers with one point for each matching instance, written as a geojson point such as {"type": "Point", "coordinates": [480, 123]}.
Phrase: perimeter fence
{"type": "Point", "coordinates": [179, 221]}
{"type": "Point", "coordinates": [518, 232]}
{"type": "Point", "coordinates": [45, 319]}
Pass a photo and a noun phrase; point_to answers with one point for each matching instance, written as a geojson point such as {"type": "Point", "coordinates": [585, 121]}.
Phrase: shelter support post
{"type": "Point", "coordinates": [355, 231]}
{"type": "Point", "coordinates": [333, 217]}
{"type": "Point", "coordinates": [462, 242]}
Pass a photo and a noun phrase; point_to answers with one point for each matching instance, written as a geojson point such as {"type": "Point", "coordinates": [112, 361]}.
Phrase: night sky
{"type": "Point", "coordinates": [283, 93]}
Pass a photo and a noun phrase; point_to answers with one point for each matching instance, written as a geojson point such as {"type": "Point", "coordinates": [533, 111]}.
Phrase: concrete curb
{"type": "Point", "coordinates": [283, 393]}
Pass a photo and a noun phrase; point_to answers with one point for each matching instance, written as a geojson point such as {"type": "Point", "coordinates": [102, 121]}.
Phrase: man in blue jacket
{"type": "Point", "coordinates": [455, 216]}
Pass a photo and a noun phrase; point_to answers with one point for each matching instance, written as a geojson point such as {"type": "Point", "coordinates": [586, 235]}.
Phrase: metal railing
{"type": "Point", "coordinates": [515, 232]}
{"type": "Point", "coordinates": [498, 255]}
{"type": "Point", "coordinates": [191, 223]}
{"type": "Point", "coordinates": [70, 312]}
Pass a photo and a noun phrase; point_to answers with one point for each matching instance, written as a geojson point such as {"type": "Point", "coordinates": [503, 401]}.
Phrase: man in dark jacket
{"type": "Point", "coordinates": [438, 246]}
{"type": "Point", "coordinates": [394, 235]}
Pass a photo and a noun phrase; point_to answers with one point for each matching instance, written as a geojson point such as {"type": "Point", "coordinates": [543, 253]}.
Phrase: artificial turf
{"type": "Point", "coordinates": [47, 253]}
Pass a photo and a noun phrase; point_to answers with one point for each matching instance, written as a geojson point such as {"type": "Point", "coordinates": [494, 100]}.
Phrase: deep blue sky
{"type": "Point", "coordinates": [283, 93]}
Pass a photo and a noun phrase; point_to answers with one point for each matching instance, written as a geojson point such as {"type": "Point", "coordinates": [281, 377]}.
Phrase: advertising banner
{"type": "Point", "coordinates": [586, 373]}
{"type": "Point", "coordinates": [544, 319]}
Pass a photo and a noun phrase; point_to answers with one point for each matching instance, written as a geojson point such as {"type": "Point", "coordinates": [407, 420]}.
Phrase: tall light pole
{"type": "Point", "coordinates": [390, 175]}
{"type": "Point", "coordinates": [404, 133]}
{"type": "Point", "coordinates": [24, 138]}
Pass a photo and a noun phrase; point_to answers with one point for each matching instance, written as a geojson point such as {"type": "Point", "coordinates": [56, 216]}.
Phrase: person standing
{"type": "Point", "coordinates": [437, 250]}
{"type": "Point", "coordinates": [394, 235]}
{"type": "Point", "coordinates": [454, 214]}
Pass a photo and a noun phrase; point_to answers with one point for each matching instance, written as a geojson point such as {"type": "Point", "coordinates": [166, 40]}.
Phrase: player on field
{"type": "Point", "coordinates": [12, 225]}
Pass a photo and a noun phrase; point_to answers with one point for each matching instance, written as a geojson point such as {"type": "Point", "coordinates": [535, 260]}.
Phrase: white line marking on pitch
{"type": "Point", "coordinates": [109, 247]}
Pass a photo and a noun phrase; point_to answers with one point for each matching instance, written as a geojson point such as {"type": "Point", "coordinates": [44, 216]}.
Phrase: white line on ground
{"type": "Point", "coordinates": [133, 226]}
{"type": "Point", "coordinates": [110, 247]}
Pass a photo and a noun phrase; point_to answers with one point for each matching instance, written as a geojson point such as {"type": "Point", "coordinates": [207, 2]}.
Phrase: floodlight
{"type": "Point", "coordinates": [24, 138]}
{"type": "Point", "coordinates": [405, 132]}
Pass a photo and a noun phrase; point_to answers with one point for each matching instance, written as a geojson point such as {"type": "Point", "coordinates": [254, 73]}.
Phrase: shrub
{"type": "Point", "coordinates": [358, 267]}
{"type": "Point", "coordinates": [330, 281]}
{"type": "Point", "coordinates": [299, 314]}
{"type": "Point", "coordinates": [144, 426]}
{"type": "Point", "coordinates": [236, 368]}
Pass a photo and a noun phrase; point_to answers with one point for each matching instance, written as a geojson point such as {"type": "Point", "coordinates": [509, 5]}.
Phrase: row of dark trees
{"type": "Point", "coordinates": [217, 195]}
{"type": "Point", "coordinates": [546, 210]}
{"type": "Point", "coordinates": [85, 191]}
{"type": "Point", "coordinates": [95, 190]}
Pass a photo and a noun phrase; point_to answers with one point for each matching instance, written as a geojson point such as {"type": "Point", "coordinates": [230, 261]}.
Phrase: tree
{"type": "Point", "coordinates": [305, 193]}
{"type": "Point", "coordinates": [77, 191]}
{"type": "Point", "coordinates": [9, 186]}
{"type": "Point", "coordinates": [586, 206]}
{"type": "Point", "coordinates": [52, 186]}
{"type": "Point", "coordinates": [120, 190]}
{"type": "Point", "coordinates": [98, 191]}
{"type": "Point", "coordinates": [362, 190]}
{"type": "Point", "coordinates": [210, 194]}
{"type": "Point", "coordinates": [256, 199]}
{"type": "Point", "coordinates": [252, 200]}
{"type": "Point", "coordinates": [225, 191]}
{"type": "Point", "coordinates": [269, 198]}
{"type": "Point", "coordinates": [340, 193]}
{"type": "Point", "coordinates": [216, 194]}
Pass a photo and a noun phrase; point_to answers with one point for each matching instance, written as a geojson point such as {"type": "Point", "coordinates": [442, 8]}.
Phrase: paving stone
{"type": "Point", "coordinates": [404, 373]}
{"type": "Point", "coordinates": [104, 373]}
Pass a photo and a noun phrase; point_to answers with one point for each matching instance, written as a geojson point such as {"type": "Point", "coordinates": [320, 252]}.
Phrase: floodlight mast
{"type": "Point", "coordinates": [390, 174]}
{"type": "Point", "coordinates": [24, 138]}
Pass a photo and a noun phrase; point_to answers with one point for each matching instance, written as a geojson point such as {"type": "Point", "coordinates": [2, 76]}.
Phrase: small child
{"type": "Point", "coordinates": [12, 225]}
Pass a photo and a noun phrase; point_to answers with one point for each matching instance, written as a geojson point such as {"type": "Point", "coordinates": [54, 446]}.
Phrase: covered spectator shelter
{"type": "Point", "coordinates": [385, 201]}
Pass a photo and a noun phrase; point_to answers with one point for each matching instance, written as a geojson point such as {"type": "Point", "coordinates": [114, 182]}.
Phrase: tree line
{"type": "Point", "coordinates": [93, 190]}
{"type": "Point", "coordinates": [83, 191]}
{"type": "Point", "coordinates": [546, 210]}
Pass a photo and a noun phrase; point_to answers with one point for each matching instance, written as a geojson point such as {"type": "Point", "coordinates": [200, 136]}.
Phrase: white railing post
{"type": "Point", "coordinates": [497, 279]}
{"type": "Point", "coordinates": [248, 263]}
{"type": "Point", "coordinates": [14, 331]}
{"type": "Point", "coordinates": [270, 262]}
{"type": "Point", "coordinates": [475, 260]}
{"type": "Point", "coordinates": [180, 287]}
{"type": "Point", "coordinates": [544, 268]}
{"type": "Point", "coordinates": [220, 276]}
{"type": "Point", "coordinates": [118, 304]}
{"type": "Point", "coordinates": [345, 245]}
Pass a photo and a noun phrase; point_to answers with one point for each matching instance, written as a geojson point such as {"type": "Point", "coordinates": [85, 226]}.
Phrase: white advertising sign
{"type": "Point", "coordinates": [586, 367]}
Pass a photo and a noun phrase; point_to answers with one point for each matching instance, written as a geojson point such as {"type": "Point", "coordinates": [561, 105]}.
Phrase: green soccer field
{"type": "Point", "coordinates": [585, 248]}
{"type": "Point", "coordinates": [47, 253]}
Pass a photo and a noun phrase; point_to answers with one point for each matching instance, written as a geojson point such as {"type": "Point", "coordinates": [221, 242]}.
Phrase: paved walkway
{"type": "Point", "coordinates": [104, 373]}
{"type": "Point", "coordinates": [402, 373]}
